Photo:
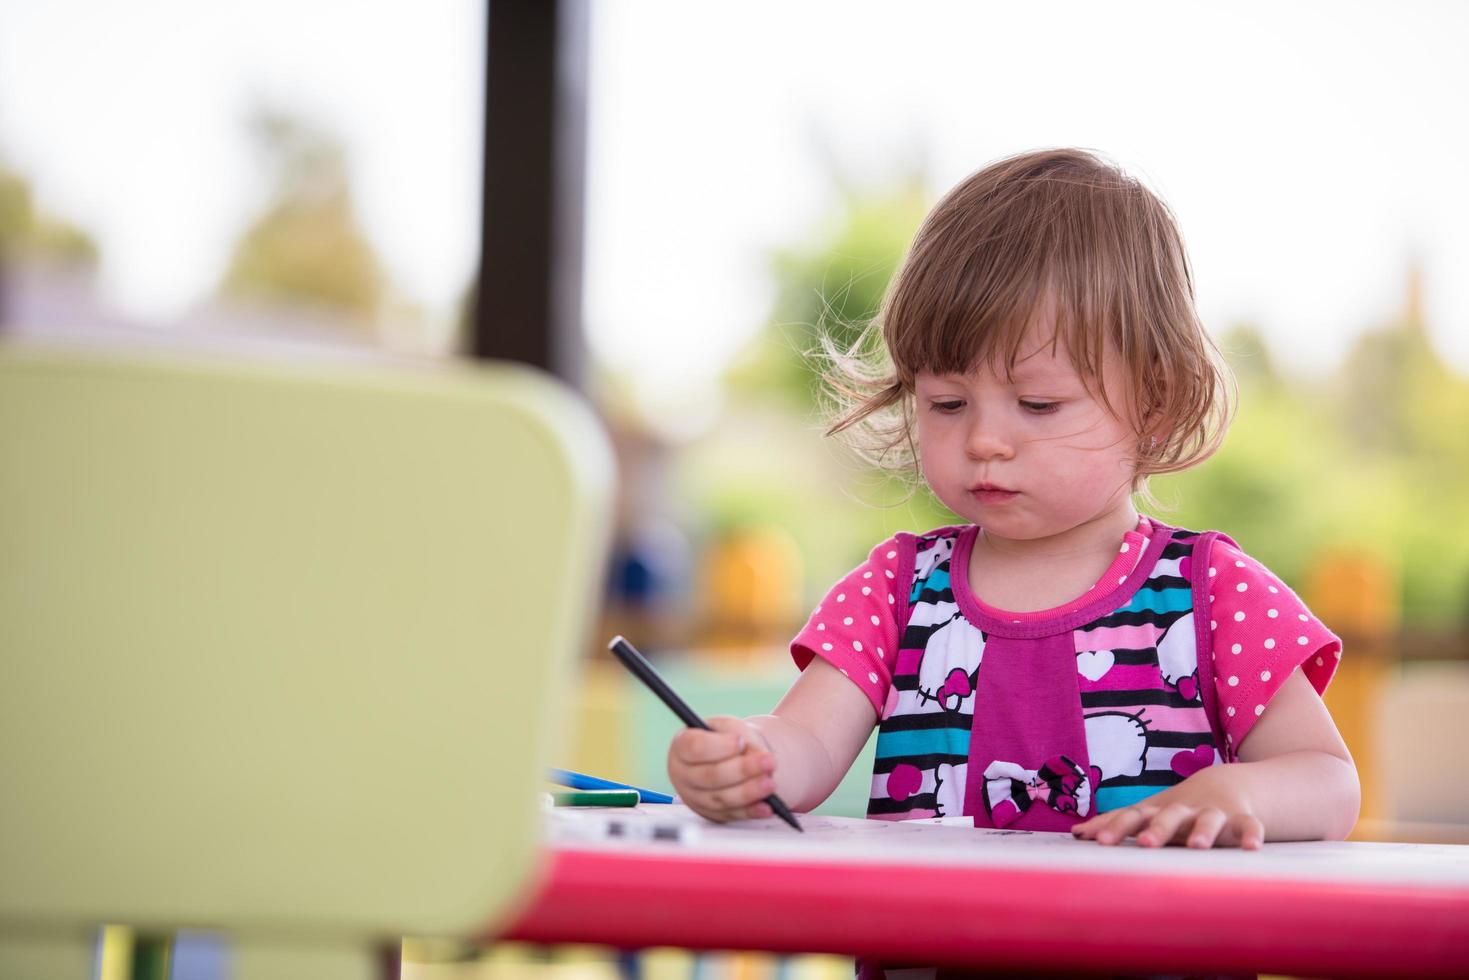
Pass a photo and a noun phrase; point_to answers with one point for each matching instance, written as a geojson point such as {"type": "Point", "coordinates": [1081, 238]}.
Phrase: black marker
{"type": "Point", "coordinates": [643, 671]}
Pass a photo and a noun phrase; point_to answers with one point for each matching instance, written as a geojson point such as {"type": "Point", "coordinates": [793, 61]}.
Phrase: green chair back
{"type": "Point", "coordinates": [284, 649]}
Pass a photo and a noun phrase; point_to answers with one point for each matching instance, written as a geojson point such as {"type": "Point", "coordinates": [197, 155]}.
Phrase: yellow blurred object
{"type": "Point", "coordinates": [753, 587]}
{"type": "Point", "coordinates": [1356, 596]}
{"type": "Point", "coordinates": [115, 953]}
{"type": "Point", "coordinates": [600, 724]}
{"type": "Point", "coordinates": [420, 951]}
{"type": "Point", "coordinates": [752, 966]}
{"type": "Point", "coordinates": [509, 961]}
{"type": "Point", "coordinates": [666, 964]}
{"type": "Point", "coordinates": [816, 967]}
{"type": "Point", "coordinates": [284, 647]}
{"type": "Point", "coordinates": [576, 962]}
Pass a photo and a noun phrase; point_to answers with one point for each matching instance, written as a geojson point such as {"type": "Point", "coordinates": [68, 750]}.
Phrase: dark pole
{"type": "Point", "coordinates": [528, 297]}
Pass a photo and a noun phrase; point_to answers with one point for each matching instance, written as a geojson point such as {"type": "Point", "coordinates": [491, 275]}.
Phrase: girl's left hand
{"type": "Point", "coordinates": [1206, 809]}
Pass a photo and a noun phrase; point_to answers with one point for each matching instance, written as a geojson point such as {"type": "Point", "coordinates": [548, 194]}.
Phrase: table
{"type": "Point", "coordinates": [943, 891]}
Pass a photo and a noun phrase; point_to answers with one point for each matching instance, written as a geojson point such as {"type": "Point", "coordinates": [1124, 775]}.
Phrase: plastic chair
{"type": "Point", "coordinates": [284, 649]}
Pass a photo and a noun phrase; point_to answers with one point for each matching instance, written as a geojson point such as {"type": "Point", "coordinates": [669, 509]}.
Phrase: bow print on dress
{"type": "Point", "coordinates": [1060, 784]}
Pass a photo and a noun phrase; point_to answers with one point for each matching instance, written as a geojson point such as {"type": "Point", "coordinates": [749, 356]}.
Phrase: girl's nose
{"type": "Point", "coordinates": [987, 442]}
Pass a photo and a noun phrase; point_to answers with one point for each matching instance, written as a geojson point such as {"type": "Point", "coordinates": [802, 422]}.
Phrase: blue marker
{"type": "Point", "coordinates": [576, 780]}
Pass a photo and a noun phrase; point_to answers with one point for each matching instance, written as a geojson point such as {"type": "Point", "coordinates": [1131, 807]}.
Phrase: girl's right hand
{"type": "Point", "coordinates": [724, 774]}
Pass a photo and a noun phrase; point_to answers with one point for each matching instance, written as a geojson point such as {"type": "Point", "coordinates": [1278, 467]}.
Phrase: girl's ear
{"type": "Point", "coordinates": [1153, 428]}
{"type": "Point", "coordinates": [1153, 433]}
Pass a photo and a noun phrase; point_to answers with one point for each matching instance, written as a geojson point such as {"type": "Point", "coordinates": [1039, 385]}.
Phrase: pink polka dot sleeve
{"type": "Point", "coordinates": [1262, 632]}
{"type": "Point", "coordinates": [855, 628]}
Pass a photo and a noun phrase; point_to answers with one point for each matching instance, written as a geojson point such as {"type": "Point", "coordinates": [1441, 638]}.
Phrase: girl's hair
{"type": "Point", "coordinates": [1062, 226]}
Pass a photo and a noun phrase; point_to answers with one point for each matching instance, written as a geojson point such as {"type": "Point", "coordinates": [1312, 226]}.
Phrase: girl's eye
{"type": "Point", "coordinates": [1039, 408]}
{"type": "Point", "coordinates": [947, 407]}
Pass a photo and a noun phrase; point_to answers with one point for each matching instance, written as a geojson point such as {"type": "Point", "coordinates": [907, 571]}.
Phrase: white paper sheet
{"type": "Point", "coordinates": [674, 831]}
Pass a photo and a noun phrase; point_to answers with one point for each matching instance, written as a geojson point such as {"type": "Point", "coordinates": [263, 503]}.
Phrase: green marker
{"type": "Point", "coordinates": [596, 797]}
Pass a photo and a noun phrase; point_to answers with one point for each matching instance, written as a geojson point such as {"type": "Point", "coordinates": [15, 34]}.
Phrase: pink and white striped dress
{"type": "Point", "coordinates": [1039, 720]}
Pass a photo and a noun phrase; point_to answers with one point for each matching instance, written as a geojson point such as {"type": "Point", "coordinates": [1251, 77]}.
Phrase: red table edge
{"type": "Point", "coordinates": [1014, 916]}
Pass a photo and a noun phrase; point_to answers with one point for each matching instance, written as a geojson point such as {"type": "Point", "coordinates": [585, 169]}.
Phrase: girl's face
{"type": "Point", "coordinates": [1031, 456]}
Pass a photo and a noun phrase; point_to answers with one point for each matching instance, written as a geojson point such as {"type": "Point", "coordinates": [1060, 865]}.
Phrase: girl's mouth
{"type": "Point", "coordinates": [988, 494]}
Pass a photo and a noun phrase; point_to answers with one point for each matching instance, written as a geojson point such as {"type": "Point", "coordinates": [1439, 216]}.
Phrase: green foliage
{"type": "Point", "coordinates": [832, 286]}
{"type": "Point", "coordinates": [307, 247]}
{"type": "Point", "coordinates": [1258, 487]}
{"type": "Point", "coordinates": [1372, 460]}
{"type": "Point", "coordinates": [28, 232]}
{"type": "Point", "coordinates": [1404, 415]}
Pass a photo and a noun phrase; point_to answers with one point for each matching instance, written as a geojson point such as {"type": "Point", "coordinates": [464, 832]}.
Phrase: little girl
{"type": "Point", "coordinates": [1057, 661]}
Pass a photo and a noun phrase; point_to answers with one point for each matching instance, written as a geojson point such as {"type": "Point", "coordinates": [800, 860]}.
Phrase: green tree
{"type": "Point", "coordinates": [832, 284]}
{"type": "Point", "coordinates": [1244, 347]}
{"type": "Point", "coordinates": [307, 247]}
{"type": "Point", "coordinates": [28, 232]}
{"type": "Point", "coordinates": [1404, 413]}
{"type": "Point", "coordinates": [1263, 487]}
{"type": "Point", "coordinates": [1372, 459]}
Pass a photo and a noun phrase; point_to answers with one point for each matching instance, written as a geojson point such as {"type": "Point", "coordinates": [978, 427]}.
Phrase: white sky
{"type": "Point", "coordinates": [130, 119]}
{"type": "Point", "coordinates": [1307, 148]}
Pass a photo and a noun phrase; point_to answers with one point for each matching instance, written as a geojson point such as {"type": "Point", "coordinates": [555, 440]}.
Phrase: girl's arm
{"type": "Point", "coordinates": [1295, 781]}
{"type": "Point", "coordinates": [800, 752]}
{"type": "Point", "coordinates": [816, 733]}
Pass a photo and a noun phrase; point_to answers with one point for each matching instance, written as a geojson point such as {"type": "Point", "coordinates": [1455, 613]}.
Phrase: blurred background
{"type": "Point", "coordinates": [715, 184]}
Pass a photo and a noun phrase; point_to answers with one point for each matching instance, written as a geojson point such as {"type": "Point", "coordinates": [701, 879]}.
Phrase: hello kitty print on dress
{"type": "Point", "coordinates": [1131, 707]}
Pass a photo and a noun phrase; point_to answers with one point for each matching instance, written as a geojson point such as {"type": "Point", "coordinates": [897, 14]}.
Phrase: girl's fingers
{"type": "Point", "coordinates": [755, 811]}
{"type": "Point", "coordinates": [1246, 830]}
{"type": "Point", "coordinates": [723, 773]}
{"type": "Point", "coordinates": [742, 795]}
{"type": "Point", "coordinates": [730, 772]}
{"type": "Point", "coordinates": [1206, 827]}
{"type": "Point", "coordinates": [694, 746]}
{"type": "Point", "coordinates": [1088, 829]}
{"type": "Point", "coordinates": [1174, 823]}
{"type": "Point", "coordinates": [1165, 825]}
{"type": "Point", "coordinates": [1125, 822]}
